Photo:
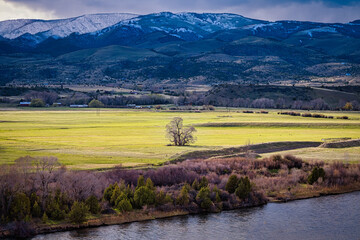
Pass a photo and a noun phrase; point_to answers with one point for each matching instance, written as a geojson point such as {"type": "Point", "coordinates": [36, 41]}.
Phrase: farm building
{"type": "Point", "coordinates": [79, 106]}
{"type": "Point", "coordinates": [24, 104]}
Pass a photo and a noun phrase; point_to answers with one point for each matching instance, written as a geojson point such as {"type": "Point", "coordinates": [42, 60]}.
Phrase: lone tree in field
{"type": "Point", "coordinates": [178, 135]}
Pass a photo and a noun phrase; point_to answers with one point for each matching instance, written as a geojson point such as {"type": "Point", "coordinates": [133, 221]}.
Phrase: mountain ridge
{"type": "Point", "coordinates": [206, 48]}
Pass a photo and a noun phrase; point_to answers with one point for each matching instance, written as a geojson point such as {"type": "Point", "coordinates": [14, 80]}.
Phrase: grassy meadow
{"type": "Point", "coordinates": [91, 139]}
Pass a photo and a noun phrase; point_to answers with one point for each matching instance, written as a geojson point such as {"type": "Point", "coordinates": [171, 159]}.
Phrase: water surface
{"type": "Point", "coordinates": [330, 217]}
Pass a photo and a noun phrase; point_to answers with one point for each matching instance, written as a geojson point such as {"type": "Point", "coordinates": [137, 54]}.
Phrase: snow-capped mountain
{"type": "Point", "coordinates": [61, 28]}
{"type": "Point", "coordinates": [210, 46]}
{"type": "Point", "coordinates": [186, 26]}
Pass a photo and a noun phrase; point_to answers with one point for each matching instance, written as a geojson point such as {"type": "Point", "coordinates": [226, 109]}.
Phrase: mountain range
{"type": "Point", "coordinates": [181, 48]}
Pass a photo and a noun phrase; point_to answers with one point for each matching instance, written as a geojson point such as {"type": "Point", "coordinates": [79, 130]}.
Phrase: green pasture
{"type": "Point", "coordinates": [89, 138]}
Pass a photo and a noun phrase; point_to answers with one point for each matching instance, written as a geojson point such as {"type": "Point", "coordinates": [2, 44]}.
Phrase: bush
{"type": "Point", "coordinates": [290, 113]}
{"type": "Point", "coordinates": [306, 115]}
{"type": "Point", "coordinates": [93, 204]}
{"type": "Point", "coordinates": [78, 212]}
{"type": "Point", "coordinates": [37, 102]}
{"type": "Point", "coordinates": [124, 205]}
{"type": "Point", "coordinates": [217, 194]}
{"type": "Point", "coordinates": [316, 173]}
{"type": "Point", "coordinates": [144, 196]}
{"type": "Point", "coordinates": [162, 198]}
{"type": "Point", "coordinates": [292, 161]}
{"type": "Point", "coordinates": [96, 104]}
{"type": "Point", "coordinates": [232, 183]}
{"type": "Point", "coordinates": [244, 188]}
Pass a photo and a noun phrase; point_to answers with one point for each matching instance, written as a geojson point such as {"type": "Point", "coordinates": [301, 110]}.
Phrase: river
{"type": "Point", "coordinates": [330, 217]}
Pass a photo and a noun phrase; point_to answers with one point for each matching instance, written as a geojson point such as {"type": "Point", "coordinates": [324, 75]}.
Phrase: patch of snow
{"type": "Point", "coordinates": [183, 30]}
{"type": "Point", "coordinates": [321, 29]}
{"type": "Point", "coordinates": [63, 27]}
{"type": "Point", "coordinates": [255, 27]}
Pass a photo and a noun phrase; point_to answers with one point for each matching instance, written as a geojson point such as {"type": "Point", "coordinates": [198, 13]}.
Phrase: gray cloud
{"type": "Point", "coordinates": [310, 10]}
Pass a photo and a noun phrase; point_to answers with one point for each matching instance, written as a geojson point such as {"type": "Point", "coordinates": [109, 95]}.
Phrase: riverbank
{"type": "Point", "coordinates": [37, 227]}
{"type": "Point", "coordinates": [314, 193]}
{"type": "Point", "coordinates": [79, 199]}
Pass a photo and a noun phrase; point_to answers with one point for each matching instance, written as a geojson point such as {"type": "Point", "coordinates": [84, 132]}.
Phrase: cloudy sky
{"type": "Point", "coordinates": [305, 10]}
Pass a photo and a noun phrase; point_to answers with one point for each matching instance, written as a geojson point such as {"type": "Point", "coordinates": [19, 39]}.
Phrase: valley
{"type": "Point", "coordinates": [97, 139]}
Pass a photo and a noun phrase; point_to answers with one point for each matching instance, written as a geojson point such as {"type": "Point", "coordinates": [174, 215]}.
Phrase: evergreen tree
{"type": "Point", "coordinates": [244, 188]}
{"type": "Point", "coordinates": [140, 182]}
{"type": "Point", "coordinates": [144, 196]}
{"type": "Point", "coordinates": [115, 194]}
{"type": "Point", "coordinates": [20, 206]}
{"type": "Point", "coordinates": [93, 204]}
{"type": "Point", "coordinates": [195, 185]}
{"type": "Point", "coordinates": [124, 205]}
{"type": "Point", "coordinates": [78, 212]}
{"type": "Point", "coordinates": [232, 184]}
{"type": "Point", "coordinates": [149, 184]}
{"type": "Point", "coordinates": [36, 210]}
{"type": "Point", "coordinates": [44, 218]}
{"type": "Point", "coordinates": [203, 182]}
{"type": "Point", "coordinates": [203, 198]}
{"type": "Point", "coordinates": [108, 192]}
{"type": "Point", "coordinates": [183, 198]}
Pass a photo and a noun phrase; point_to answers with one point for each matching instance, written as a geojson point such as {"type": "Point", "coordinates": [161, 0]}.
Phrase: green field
{"type": "Point", "coordinates": [86, 139]}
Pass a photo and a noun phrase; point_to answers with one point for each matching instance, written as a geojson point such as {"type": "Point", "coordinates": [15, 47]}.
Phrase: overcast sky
{"type": "Point", "coordinates": [304, 10]}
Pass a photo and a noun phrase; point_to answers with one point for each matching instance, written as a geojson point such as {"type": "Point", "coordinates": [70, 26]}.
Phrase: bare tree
{"type": "Point", "coordinates": [45, 173]}
{"type": "Point", "coordinates": [178, 135]}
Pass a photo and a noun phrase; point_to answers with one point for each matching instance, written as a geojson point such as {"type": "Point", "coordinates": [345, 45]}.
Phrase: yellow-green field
{"type": "Point", "coordinates": [85, 139]}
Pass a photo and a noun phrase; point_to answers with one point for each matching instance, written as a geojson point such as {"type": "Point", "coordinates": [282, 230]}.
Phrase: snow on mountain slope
{"type": "Point", "coordinates": [63, 27]}
{"type": "Point", "coordinates": [187, 26]}
{"type": "Point", "coordinates": [322, 29]}
{"type": "Point", "coordinates": [218, 20]}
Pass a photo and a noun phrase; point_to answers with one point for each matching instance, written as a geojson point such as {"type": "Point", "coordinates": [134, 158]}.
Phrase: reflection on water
{"type": "Point", "coordinates": [331, 217]}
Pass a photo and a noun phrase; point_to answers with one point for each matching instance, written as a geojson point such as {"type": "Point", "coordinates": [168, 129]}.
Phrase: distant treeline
{"type": "Point", "coordinates": [272, 98]}
{"type": "Point", "coordinates": [280, 103]}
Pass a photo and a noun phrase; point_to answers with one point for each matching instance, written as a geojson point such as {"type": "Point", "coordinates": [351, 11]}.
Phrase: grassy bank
{"type": "Point", "coordinates": [95, 139]}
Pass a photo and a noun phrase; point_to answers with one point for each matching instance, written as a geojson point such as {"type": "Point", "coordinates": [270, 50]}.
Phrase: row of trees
{"type": "Point", "coordinates": [200, 99]}
{"type": "Point", "coordinates": [197, 99]}
{"type": "Point", "coordinates": [40, 188]}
